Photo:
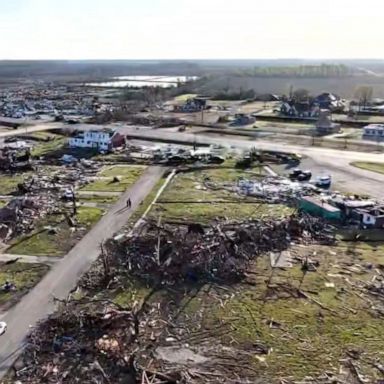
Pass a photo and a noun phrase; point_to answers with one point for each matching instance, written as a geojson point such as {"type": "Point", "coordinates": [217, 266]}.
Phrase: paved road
{"type": "Point", "coordinates": [333, 161]}
{"type": "Point", "coordinates": [38, 303]}
{"type": "Point", "coordinates": [34, 128]}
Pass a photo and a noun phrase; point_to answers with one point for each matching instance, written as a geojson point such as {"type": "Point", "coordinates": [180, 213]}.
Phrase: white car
{"type": "Point", "coordinates": [3, 327]}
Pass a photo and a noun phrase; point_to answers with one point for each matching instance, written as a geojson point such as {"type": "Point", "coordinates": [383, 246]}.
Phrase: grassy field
{"type": "Point", "coordinates": [127, 176]}
{"type": "Point", "coordinates": [44, 243]}
{"type": "Point", "coordinates": [97, 199]}
{"type": "Point", "coordinates": [8, 183]}
{"type": "Point", "coordinates": [374, 167]}
{"type": "Point", "coordinates": [45, 148]}
{"type": "Point", "coordinates": [206, 212]}
{"type": "Point", "coordinates": [23, 275]}
{"type": "Point", "coordinates": [322, 326]}
{"type": "Point", "coordinates": [187, 199]}
{"type": "Point", "coordinates": [185, 97]}
{"type": "Point", "coordinates": [189, 186]}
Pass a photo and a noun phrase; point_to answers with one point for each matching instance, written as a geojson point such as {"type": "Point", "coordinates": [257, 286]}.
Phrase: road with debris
{"type": "Point", "coordinates": [323, 160]}
{"type": "Point", "coordinates": [326, 160]}
{"type": "Point", "coordinates": [59, 281]}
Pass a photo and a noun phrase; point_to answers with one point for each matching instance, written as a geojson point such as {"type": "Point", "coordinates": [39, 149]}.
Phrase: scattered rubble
{"type": "Point", "coordinates": [96, 340]}
{"type": "Point", "coordinates": [40, 195]}
{"type": "Point", "coordinates": [167, 255]}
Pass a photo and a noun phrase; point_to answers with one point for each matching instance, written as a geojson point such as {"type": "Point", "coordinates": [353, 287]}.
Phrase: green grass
{"type": "Point", "coordinates": [128, 175]}
{"type": "Point", "coordinates": [189, 186]}
{"type": "Point", "coordinates": [23, 275]}
{"type": "Point", "coordinates": [88, 216]}
{"type": "Point", "coordinates": [185, 97]}
{"type": "Point", "coordinates": [206, 212]}
{"type": "Point", "coordinates": [43, 135]}
{"type": "Point", "coordinates": [43, 149]}
{"type": "Point", "coordinates": [374, 167]}
{"type": "Point", "coordinates": [307, 332]}
{"type": "Point", "coordinates": [97, 199]}
{"type": "Point", "coordinates": [123, 170]}
{"type": "Point", "coordinates": [43, 243]}
{"type": "Point", "coordinates": [8, 183]}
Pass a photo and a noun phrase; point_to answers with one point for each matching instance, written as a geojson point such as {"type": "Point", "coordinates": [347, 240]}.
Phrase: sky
{"type": "Point", "coordinates": [190, 29]}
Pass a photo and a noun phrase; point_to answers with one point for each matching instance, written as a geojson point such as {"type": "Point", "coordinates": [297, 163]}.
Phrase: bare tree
{"type": "Point", "coordinates": [363, 94]}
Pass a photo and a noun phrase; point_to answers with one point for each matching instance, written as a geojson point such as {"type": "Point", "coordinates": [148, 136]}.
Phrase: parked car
{"type": "Point", "coordinates": [3, 327]}
{"type": "Point", "coordinates": [295, 174]}
{"type": "Point", "coordinates": [299, 175]}
{"type": "Point", "coordinates": [323, 182]}
{"type": "Point", "coordinates": [305, 176]}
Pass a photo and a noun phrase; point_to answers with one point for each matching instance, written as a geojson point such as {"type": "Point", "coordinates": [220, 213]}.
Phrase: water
{"type": "Point", "coordinates": [144, 81]}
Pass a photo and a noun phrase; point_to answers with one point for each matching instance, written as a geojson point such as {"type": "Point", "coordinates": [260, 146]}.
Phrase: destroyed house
{"type": "Point", "coordinates": [350, 208]}
{"type": "Point", "coordinates": [329, 101]}
{"type": "Point", "coordinates": [317, 207]}
{"type": "Point", "coordinates": [103, 140]}
{"type": "Point", "coordinates": [373, 217]}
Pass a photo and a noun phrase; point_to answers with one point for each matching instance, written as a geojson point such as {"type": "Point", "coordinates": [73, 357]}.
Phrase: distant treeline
{"type": "Point", "coordinates": [309, 71]}
{"type": "Point", "coordinates": [240, 95]}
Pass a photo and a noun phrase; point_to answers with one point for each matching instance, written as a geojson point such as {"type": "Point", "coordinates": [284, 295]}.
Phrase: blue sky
{"type": "Point", "coordinates": [193, 29]}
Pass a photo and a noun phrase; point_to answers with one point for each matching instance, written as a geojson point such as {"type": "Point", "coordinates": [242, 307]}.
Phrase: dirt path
{"type": "Point", "coordinates": [38, 303]}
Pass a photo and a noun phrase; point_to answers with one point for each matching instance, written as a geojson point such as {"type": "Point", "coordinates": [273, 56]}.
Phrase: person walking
{"type": "Point", "coordinates": [129, 203]}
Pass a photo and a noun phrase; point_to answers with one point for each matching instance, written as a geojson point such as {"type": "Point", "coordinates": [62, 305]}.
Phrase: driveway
{"type": "Point", "coordinates": [64, 275]}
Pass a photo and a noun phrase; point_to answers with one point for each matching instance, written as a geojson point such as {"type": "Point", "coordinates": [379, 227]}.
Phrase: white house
{"type": "Point", "coordinates": [103, 140]}
{"type": "Point", "coordinates": [374, 132]}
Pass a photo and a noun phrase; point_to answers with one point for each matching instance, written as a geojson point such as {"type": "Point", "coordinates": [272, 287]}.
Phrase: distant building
{"type": "Point", "coordinates": [103, 140]}
{"type": "Point", "coordinates": [373, 132]}
{"type": "Point", "coordinates": [325, 125]}
{"type": "Point", "coordinates": [329, 101]}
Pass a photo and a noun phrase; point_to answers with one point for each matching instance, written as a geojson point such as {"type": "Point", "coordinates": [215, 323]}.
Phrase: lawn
{"type": "Point", "coordinates": [43, 135]}
{"type": "Point", "coordinates": [374, 167]}
{"type": "Point", "coordinates": [45, 148]}
{"type": "Point", "coordinates": [44, 243]}
{"type": "Point", "coordinates": [97, 199]}
{"type": "Point", "coordinates": [127, 176]}
{"type": "Point", "coordinates": [183, 98]}
{"type": "Point", "coordinates": [189, 186]}
{"type": "Point", "coordinates": [303, 336]}
{"type": "Point", "coordinates": [23, 275]}
{"type": "Point", "coordinates": [8, 183]}
{"type": "Point", "coordinates": [206, 212]}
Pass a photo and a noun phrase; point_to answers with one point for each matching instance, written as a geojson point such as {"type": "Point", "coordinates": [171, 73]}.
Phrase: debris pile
{"type": "Point", "coordinates": [96, 346]}
{"type": "Point", "coordinates": [169, 255]}
{"type": "Point", "coordinates": [19, 215]}
{"type": "Point", "coordinates": [38, 196]}
{"type": "Point", "coordinates": [269, 189]}
{"type": "Point", "coordinates": [95, 339]}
